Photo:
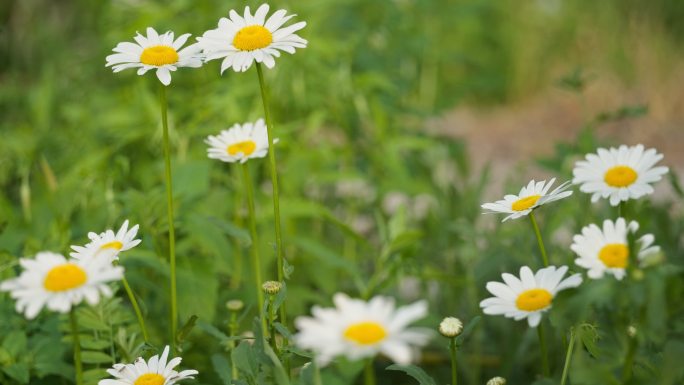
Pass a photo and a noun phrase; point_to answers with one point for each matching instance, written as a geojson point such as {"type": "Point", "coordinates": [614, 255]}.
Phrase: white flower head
{"type": "Point", "coordinates": [451, 327]}
{"type": "Point", "coordinates": [155, 51]}
{"type": "Point", "coordinates": [620, 174]}
{"type": "Point", "coordinates": [528, 296]}
{"type": "Point", "coordinates": [50, 280]}
{"type": "Point", "coordinates": [606, 251]}
{"type": "Point", "coordinates": [239, 143]}
{"type": "Point", "coordinates": [530, 197]}
{"type": "Point", "coordinates": [242, 40]}
{"type": "Point", "coordinates": [155, 371]}
{"type": "Point", "coordinates": [496, 381]}
{"type": "Point", "coordinates": [108, 243]}
{"type": "Point", "coordinates": [358, 329]}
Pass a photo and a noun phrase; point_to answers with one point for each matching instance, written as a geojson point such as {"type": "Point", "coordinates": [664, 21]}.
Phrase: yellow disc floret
{"type": "Point", "coordinates": [150, 379]}
{"type": "Point", "coordinates": [65, 277]}
{"type": "Point", "coordinates": [159, 55]}
{"type": "Point", "coordinates": [615, 255]}
{"type": "Point", "coordinates": [247, 148]}
{"type": "Point", "coordinates": [365, 333]}
{"type": "Point", "coordinates": [252, 37]}
{"type": "Point", "coordinates": [620, 176]}
{"type": "Point", "coordinates": [525, 203]}
{"type": "Point", "coordinates": [533, 299]}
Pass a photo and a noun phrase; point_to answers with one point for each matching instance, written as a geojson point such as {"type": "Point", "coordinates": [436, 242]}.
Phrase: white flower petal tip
{"type": "Point", "coordinates": [154, 51]}
{"type": "Point", "coordinates": [242, 40]}
{"type": "Point", "coordinates": [156, 370]}
{"type": "Point", "coordinates": [605, 250]}
{"type": "Point", "coordinates": [239, 143]}
{"type": "Point", "coordinates": [358, 329]}
{"type": "Point", "coordinates": [107, 244]}
{"type": "Point", "coordinates": [50, 280]}
{"type": "Point", "coordinates": [527, 296]}
{"type": "Point", "coordinates": [619, 173]}
{"type": "Point", "coordinates": [530, 197]}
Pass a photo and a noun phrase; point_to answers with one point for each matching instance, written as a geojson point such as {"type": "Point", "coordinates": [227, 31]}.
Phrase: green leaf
{"type": "Point", "coordinates": [93, 357]}
{"type": "Point", "coordinates": [467, 330]}
{"type": "Point", "coordinates": [18, 371]}
{"type": "Point", "coordinates": [415, 372]}
{"type": "Point", "coordinates": [222, 367]}
{"type": "Point", "coordinates": [15, 343]}
{"type": "Point", "coordinates": [588, 335]}
{"type": "Point", "coordinates": [185, 330]}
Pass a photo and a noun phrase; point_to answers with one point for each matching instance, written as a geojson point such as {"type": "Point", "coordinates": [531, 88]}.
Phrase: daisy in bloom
{"type": "Point", "coordinates": [241, 40]}
{"type": "Point", "coordinates": [358, 329]}
{"type": "Point", "coordinates": [606, 250]}
{"type": "Point", "coordinates": [53, 281]}
{"type": "Point", "coordinates": [619, 173]}
{"type": "Point", "coordinates": [530, 197]}
{"type": "Point", "coordinates": [108, 243]}
{"type": "Point", "coordinates": [528, 296]}
{"type": "Point", "coordinates": [155, 371]}
{"type": "Point", "coordinates": [239, 143]}
{"type": "Point", "coordinates": [155, 51]}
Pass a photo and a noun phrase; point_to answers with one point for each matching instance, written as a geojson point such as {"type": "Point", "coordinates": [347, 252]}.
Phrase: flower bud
{"type": "Point", "coordinates": [235, 305]}
{"type": "Point", "coordinates": [497, 381]}
{"type": "Point", "coordinates": [272, 287]}
{"type": "Point", "coordinates": [451, 327]}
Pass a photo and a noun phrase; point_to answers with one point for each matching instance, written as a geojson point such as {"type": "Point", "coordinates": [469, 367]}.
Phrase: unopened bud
{"type": "Point", "coordinates": [235, 305]}
{"type": "Point", "coordinates": [451, 327]}
{"type": "Point", "coordinates": [631, 331]}
{"type": "Point", "coordinates": [272, 287]}
{"type": "Point", "coordinates": [497, 381]}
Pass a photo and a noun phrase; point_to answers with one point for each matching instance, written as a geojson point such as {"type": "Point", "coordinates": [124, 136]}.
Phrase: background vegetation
{"type": "Point", "coordinates": [373, 201]}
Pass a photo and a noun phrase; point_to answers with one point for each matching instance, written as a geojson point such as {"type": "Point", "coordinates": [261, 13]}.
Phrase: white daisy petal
{"type": "Point", "coordinates": [530, 197]}
{"type": "Point", "coordinates": [239, 143]}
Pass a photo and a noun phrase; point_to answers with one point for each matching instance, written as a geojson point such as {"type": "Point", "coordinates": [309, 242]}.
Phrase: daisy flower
{"type": "Point", "coordinates": [239, 143]}
{"type": "Point", "coordinates": [358, 329]}
{"type": "Point", "coordinates": [154, 51]}
{"type": "Point", "coordinates": [155, 371]}
{"type": "Point", "coordinates": [606, 250]}
{"type": "Point", "coordinates": [619, 173]}
{"type": "Point", "coordinates": [528, 296]}
{"type": "Point", "coordinates": [241, 40]}
{"type": "Point", "coordinates": [53, 281]}
{"type": "Point", "coordinates": [530, 197]}
{"type": "Point", "coordinates": [108, 243]}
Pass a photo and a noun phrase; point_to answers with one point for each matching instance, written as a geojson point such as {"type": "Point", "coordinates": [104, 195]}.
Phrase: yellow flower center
{"type": "Point", "coordinates": [65, 277]}
{"type": "Point", "coordinates": [159, 55]}
{"type": "Point", "coordinates": [525, 203]}
{"type": "Point", "coordinates": [533, 299]}
{"type": "Point", "coordinates": [247, 148]}
{"type": "Point", "coordinates": [615, 255]}
{"type": "Point", "coordinates": [115, 245]}
{"type": "Point", "coordinates": [620, 176]}
{"type": "Point", "coordinates": [252, 37]}
{"type": "Point", "coordinates": [365, 333]}
{"type": "Point", "coordinates": [150, 379]}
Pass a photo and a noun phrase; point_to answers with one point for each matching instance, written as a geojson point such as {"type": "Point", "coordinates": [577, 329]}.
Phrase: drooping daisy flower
{"type": "Point", "coordinates": [529, 296]}
{"type": "Point", "coordinates": [154, 51]}
{"type": "Point", "coordinates": [108, 243]}
{"type": "Point", "coordinates": [358, 329]}
{"type": "Point", "coordinates": [53, 281]}
{"type": "Point", "coordinates": [607, 251]}
{"type": "Point", "coordinates": [155, 371]}
{"type": "Point", "coordinates": [619, 173]}
{"type": "Point", "coordinates": [529, 198]}
{"type": "Point", "coordinates": [239, 143]}
{"type": "Point", "coordinates": [242, 40]}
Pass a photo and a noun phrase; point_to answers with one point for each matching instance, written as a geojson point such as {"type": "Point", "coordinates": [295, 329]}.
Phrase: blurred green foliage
{"type": "Point", "coordinates": [372, 203]}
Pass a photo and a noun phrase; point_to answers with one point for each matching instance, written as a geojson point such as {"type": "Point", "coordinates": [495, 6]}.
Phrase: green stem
{"type": "Point", "coordinates": [274, 181]}
{"type": "Point", "coordinates": [237, 255]}
{"type": "Point", "coordinates": [629, 360]}
{"type": "Point", "coordinates": [136, 308]}
{"type": "Point", "coordinates": [254, 247]}
{"type": "Point", "coordinates": [169, 209]}
{"type": "Point", "coordinates": [540, 242]}
{"type": "Point", "coordinates": [271, 325]}
{"type": "Point", "coordinates": [77, 347]}
{"type": "Point", "coordinates": [317, 374]}
{"type": "Point", "coordinates": [544, 352]}
{"type": "Point", "coordinates": [568, 356]}
{"type": "Point", "coordinates": [452, 350]}
{"type": "Point", "coordinates": [232, 328]}
{"type": "Point", "coordinates": [369, 373]}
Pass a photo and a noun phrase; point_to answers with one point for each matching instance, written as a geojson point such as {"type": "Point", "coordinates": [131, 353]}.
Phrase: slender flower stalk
{"type": "Point", "coordinates": [369, 373]}
{"type": "Point", "coordinates": [136, 308]}
{"type": "Point", "coordinates": [274, 181]}
{"type": "Point", "coordinates": [568, 356]}
{"type": "Point", "coordinates": [169, 200]}
{"type": "Point", "coordinates": [544, 351]}
{"type": "Point", "coordinates": [77, 347]}
{"type": "Point", "coordinates": [256, 258]}
{"type": "Point", "coordinates": [452, 351]}
{"type": "Point", "coordinates": [540, 242]}
{"type": "Point", "coordinates": [234, 306]}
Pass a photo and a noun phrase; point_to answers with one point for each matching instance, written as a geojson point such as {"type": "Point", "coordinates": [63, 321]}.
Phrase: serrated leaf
{"type": "Point", "coordinates": [93, 357]}
{"type": "Point", "coordinates": [417, 373]}
{"type": "Point", "coordinates": [222, 367]}
{"type": "Point", "coordinates": [15, 343]}
{"type": "Point", "coordinates": [18, 371]}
